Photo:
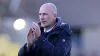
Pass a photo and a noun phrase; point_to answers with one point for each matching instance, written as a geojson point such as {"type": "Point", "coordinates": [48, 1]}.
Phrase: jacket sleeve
{"type": "Point", "coordinates": [61, 48]}
{"type": "Point", "coordinates": [23, 51]}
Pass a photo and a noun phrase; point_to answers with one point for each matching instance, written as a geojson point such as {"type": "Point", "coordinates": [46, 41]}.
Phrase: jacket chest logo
{"type": "Point", "coordinates": [63, 40]}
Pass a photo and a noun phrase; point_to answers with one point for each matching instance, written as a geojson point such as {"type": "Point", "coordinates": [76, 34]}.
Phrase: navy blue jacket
{"type": "Point", "coordinates": [57, 42]}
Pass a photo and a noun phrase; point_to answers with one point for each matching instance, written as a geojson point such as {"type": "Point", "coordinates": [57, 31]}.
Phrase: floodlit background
{"type": "Point", "coordinates": [16, 17]}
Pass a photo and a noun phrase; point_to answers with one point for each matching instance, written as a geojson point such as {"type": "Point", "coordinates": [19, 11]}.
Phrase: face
{"type": "Point", "coordinates": [47, 18]}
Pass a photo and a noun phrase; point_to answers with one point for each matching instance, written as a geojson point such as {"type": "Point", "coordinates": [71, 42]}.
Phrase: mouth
{"type": "Point", "coordinates": [43, 22]}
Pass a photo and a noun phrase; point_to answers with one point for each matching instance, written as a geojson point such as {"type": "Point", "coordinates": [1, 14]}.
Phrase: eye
{"type": "Point", "coordinates": [39, 13]}
{"type": "Point", "coordinates": [45, 14]}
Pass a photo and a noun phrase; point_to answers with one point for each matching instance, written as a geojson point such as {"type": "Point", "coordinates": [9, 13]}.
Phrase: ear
{"type": "Point", "coordinates": [55, 15]}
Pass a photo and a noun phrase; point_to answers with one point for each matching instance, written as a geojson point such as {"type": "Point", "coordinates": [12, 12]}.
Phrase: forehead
{"type": "Point", "coordinates": [43, 10]}
{"type": "Point", "coordinates": [46, 9]}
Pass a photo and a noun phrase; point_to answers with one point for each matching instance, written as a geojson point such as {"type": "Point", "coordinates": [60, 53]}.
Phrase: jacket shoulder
{"type": "Point", "coordinates": [66, 28]}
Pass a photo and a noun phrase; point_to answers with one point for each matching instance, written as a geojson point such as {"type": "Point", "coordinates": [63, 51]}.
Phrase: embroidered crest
{"type": "Point", "coordinates": [63, 40]}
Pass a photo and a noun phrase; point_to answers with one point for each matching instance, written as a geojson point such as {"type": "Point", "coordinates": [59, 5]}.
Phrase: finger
{"type": "Point", "coordinates": [28, 34]}
{"type": "Point", "coordinates": [30, 31]}
{"type": "Point", "coordinates": [33, 29]}
{"type": "Point", "coordinates": [35, 25]}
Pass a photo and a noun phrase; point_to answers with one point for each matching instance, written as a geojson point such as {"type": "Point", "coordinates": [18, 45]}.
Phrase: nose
{"type": "Point", "coordinates": [41, 17]}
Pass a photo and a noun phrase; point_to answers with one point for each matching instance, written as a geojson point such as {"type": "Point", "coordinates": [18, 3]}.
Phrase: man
{"type": "Point", "coordinates": [50, 37]}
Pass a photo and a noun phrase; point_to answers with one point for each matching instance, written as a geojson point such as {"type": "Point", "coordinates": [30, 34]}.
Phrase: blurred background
{"type": "Point", "coordinates": [16, 17]}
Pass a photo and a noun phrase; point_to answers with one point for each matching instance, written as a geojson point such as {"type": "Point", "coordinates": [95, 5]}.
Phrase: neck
{"type": "Point", "coordinates": [48, 27]}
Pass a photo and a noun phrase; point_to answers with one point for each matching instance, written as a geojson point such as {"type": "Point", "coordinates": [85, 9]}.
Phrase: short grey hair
{"type": "Point", "coordinates": [53, 7]}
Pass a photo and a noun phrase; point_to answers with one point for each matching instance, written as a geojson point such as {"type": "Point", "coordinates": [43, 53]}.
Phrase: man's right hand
{"type": "Point", "coordinates": [30, 37]}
